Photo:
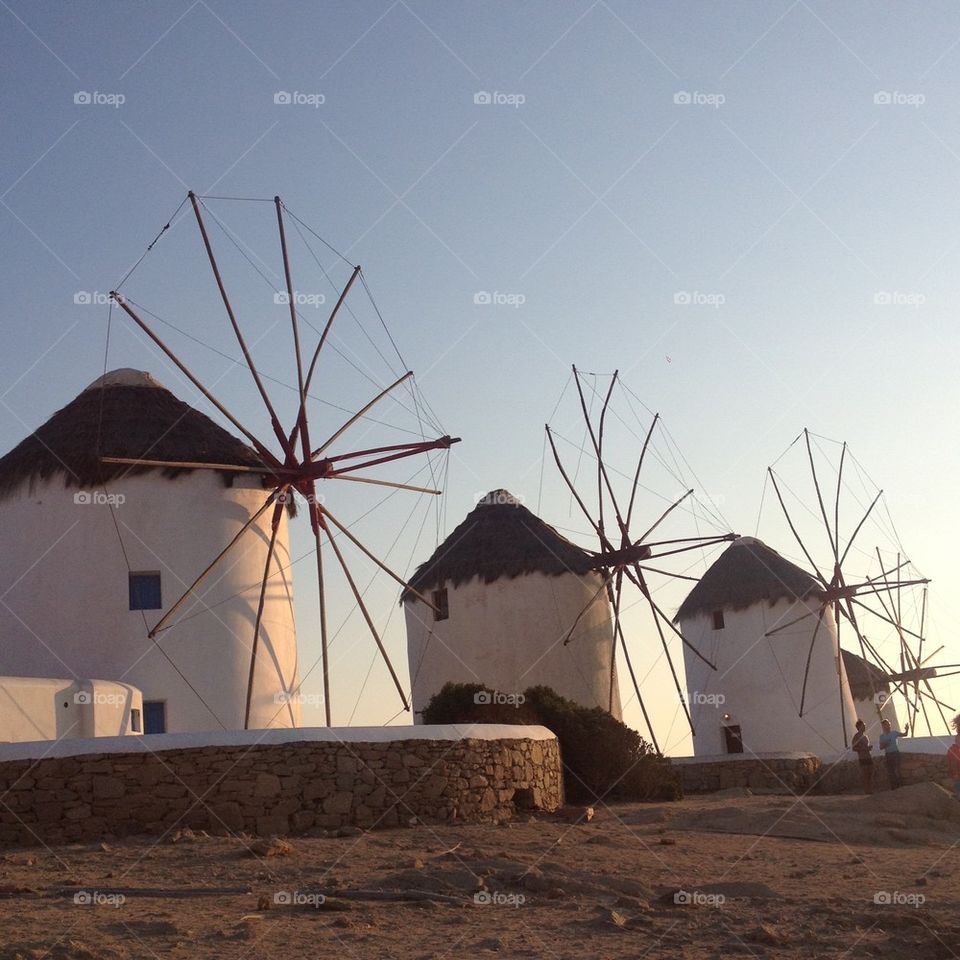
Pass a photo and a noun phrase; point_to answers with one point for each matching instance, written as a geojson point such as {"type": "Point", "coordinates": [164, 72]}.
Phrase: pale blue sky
{"type": "Point", "coordinates": [784, 193]}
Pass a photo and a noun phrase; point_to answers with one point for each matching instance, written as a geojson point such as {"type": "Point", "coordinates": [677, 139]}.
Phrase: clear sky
{"type": "Point", "coordinates": [749, 209]}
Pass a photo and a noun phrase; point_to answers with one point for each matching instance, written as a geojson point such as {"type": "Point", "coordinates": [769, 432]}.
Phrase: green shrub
{"type": "Point", "coordinates": [602, 757]}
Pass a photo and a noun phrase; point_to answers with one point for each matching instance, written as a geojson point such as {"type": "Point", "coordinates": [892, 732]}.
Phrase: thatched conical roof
{"type": "Point", "coordinates": [126, 413]}
{"type": "Point", "coordinates": [865, 678]}
{"type": "Point", "coordinates": [748, 572]}
{"type": "Point", "coordinates": [500, 539]}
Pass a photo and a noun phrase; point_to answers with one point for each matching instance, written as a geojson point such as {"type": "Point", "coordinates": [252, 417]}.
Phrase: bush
{"type": "Point", "coordinates": [602, 757]}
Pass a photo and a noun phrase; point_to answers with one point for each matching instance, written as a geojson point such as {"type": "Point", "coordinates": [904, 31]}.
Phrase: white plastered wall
{"type": "Point", "coordinates": [509, 635]}
{"type": "Point", "coordinates": [64, 580]}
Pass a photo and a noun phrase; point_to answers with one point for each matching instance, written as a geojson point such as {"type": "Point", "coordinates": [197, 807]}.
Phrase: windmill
{"type": "Point", "coordinates": [891, 599]}
{"type": "Point", "coordinates": [293, 463]}
{"type": "Point", "coordinates": [630, 561]}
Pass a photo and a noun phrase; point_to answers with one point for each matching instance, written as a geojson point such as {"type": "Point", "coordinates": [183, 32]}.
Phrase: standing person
{"type": "Point", "coordinates": [891, 750]}
{"type": "Point", "coordinates": [862, 747]}
{"type": "Point", "coordinates": [953, 765]}
{"type": "Point", "coordinates": [953, 757]}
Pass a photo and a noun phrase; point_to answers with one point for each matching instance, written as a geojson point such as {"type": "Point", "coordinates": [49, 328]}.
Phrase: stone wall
{"type": "Point", "coordinates": [844, 775]}
{"type": "Point", "coordinates": [793, 773]}
{"type": "Point", "coordinates": [279, 788]}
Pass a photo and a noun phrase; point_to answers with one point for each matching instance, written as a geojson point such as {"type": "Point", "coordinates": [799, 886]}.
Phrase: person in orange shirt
{"type": "Point", "coordinates": [953, 765]}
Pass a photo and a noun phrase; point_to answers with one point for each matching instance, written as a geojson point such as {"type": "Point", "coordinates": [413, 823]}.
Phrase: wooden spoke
{"type": "Point", "coordinates": [583, 612]}
{"type": "Point", "coordinates": [663, 516]}
{"type": "Point", "coordinates": [576, 496]}
{"type": "Point", "coordinates": [370, 556]}
{"type": "Point", "coordinates": [789, 623]}
{"type": "Point", "coordinates": [636, 476]}
{"type": "Point", "coordinates": [853, 536]}
{"type": "Point", "coordinates": [806, 670]}
{"type": "Point", "coordinates": [600, 464]}
{"type": "Point", "coordinates": [360, 413]}
{"type": "Point", "coordinates": [187, 465]}
{"type": "Point", "coordinates": [274, 421]}
{"type": "Point", "coordinates": [268, 457]}
{"type": "Point", "coordinates": [386, 483]}
{"type": "Point", "coordinates": [618, 633]}
{"type": "Point", "coordinates": [369, 621]}
{"type": "Point", "coordinates": [315, 523]}
{"type": "Point", "coordinates": [161, 624]}
{"type": "Point", "coordinates": [816, 484]}
{"type": "Point", "coordinates": [793, 529]}
{"type": "Point", "coordinates": [836, 503]}
{"type": "Point", "coordinates": [274, 529]}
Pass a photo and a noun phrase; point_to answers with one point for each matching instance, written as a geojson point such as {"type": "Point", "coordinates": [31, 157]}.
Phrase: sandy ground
{"type": "Point", "coordinates": [761, 876]}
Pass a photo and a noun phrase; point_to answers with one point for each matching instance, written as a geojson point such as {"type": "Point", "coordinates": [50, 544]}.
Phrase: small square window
{"type": "Point", "coordinates": [135, 724]}
{"type": "Point", "coordinates": [145, 591]}
{"type": "Point", "coordinates": [718, 620]}
{"type": "Point", "coordinates": [441, 604]}
{"type": "Point", "coordinates": [155, 716]}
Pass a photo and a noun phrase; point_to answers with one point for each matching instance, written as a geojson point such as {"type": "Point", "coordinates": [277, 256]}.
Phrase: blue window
{"type": "Point", "coordinates": [154, 716]}
{"type": "Point", "coordinates": [145, 591]}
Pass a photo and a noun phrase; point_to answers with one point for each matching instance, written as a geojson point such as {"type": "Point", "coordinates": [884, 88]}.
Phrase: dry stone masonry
{"type": "Point", "coordinates": [272, 789]}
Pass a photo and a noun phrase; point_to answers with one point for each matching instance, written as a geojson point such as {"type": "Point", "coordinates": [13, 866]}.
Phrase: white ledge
{"type": "Point", "coordinates": [155, 743]}
{"type": "Point", "coordinates": [740, 757]}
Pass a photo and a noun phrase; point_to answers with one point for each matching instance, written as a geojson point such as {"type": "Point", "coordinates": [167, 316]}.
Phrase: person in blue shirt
{"type": "Point", "coordinates": [891, 751]}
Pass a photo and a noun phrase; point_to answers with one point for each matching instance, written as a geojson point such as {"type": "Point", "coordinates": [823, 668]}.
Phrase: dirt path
{"type": "Point", "coordinates": [544, 889]}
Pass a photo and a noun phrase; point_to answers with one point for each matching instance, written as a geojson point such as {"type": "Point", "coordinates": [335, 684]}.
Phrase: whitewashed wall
{"type": "Point", "coordinates": [47, 709]}
{"type": "Point", "coordinates": [759, 679]}
{"type": "Point", "coordinates": [65, 608]}
{"type": "Point", "coordinates": [508, 635]}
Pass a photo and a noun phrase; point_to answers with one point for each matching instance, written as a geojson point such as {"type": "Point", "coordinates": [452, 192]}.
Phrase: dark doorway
{"type": "Point", "coordinates": [154, 716]}
{"type": "Point", "coordinates": [733, 740]}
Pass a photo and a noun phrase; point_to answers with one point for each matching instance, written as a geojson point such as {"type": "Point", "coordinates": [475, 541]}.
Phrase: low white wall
{"type": "Point", "coordinates": [238, 738]}
{"type": "Point", "coordinates": [46, 709]}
